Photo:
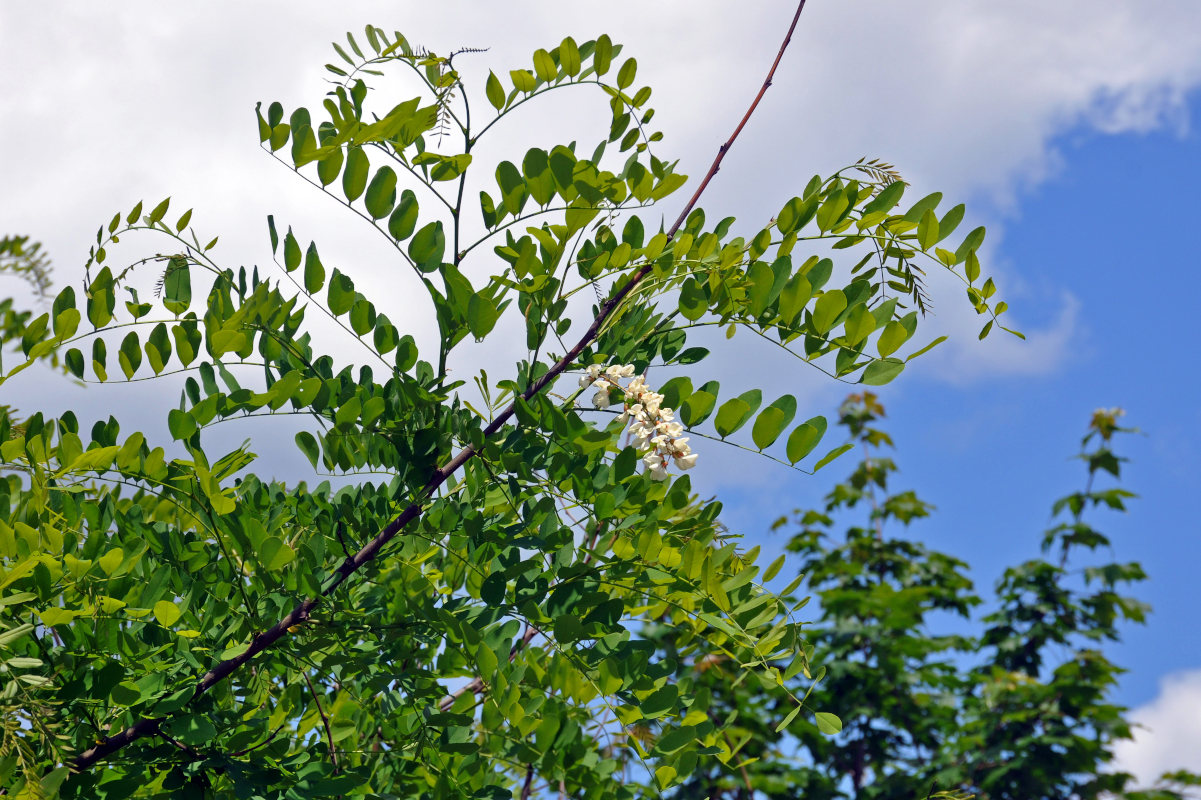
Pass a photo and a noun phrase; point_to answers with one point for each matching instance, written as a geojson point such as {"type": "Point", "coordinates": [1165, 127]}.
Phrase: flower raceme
{"type": "Point", "coordinates": [652, 425]}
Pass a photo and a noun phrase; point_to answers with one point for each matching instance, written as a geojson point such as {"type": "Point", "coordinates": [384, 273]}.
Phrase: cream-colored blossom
{"type": "Point", "coordinates": [652, 426]}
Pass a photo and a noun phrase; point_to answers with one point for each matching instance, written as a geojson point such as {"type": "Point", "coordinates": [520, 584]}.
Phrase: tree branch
{"type": "Point", "coordinates": [303, 611]}
{"type": "Point", "coordinates": [324, 721]}
{"type": "Point", "coordinates": [529, 782]}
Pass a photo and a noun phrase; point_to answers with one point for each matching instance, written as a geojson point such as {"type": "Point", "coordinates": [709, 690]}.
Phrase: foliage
{"type": "Point", "coordinates": [1014, 704]}
{"type": "Point", "coordinates": [467, 609]}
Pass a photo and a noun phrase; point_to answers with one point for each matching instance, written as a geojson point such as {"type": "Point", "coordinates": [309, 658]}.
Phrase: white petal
{"type": "Point", "coordinates": [686, 462]}
{"type": "Point", "coordinates": [601, 398]}
{"type": "Point", "coordinates": [671, 429]}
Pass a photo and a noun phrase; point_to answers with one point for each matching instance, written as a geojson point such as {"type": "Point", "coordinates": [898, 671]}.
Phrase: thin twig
{"type": "Point", "coordinates": [369, 551]}
{"type": "Point", "coordinates": [263, 743]}
{"type": "Point", "coordinates": [333, 754]}
{"type": "Point", "coordinates": [478, 684]}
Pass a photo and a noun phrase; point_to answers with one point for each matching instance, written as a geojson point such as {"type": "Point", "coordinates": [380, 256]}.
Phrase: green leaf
{"type": "Point", "coordinates": [74, 362]}
{"type": "Point", "coordinates": [881, 372]}
{"type": "Point", "coordinates": [927, 348]}
{"type": "Point", "coordinates": [427, 247]}
{"type": "Point", "coordinates": [659, 702]}
{"type": "Point", "coordinates": [404, 217]}
{"type": "Point", "coordinates": [110, 561]}
{"type": "Point", "coordinates": [308, 445]}
{"type": "Point", "coordinates": [177, 285]}
{"type": "Point", "coordinates": [859, 325]}
{"type": "Point", "coordinates": [805, 437]}
{"type": "Point", "coordinates": [274, 554]}
{"type": "Point", "coordinates": [971, 269]}
{"type": "Point", "coordinates": [481, 315]}
{"type": "Point", "coordinates": [833, 454]}
{"type": "Point", "coordinates": [827, 723]}
{"type": "Point", "coordinates": [493, 589]}
{"type": "Point", "coordinates": [698, 407]}
{"type": "Point", "coordinates": [523, 80]}
{"type": "Point", "coordinates": [772, 420]}
{"type": "Point", "coordinates": [794, 297]}
{"type": "Point", "coordinates": [56, 616]}
{"type": "Point", "coordinates": [130, 354]}
{"type": "Point", "coordinates": [314, 272]}
{"type": "Point", "coordinates": [625, 75]}
{"type": "Point", "coordinates": [891, 338]}
{"type": "Point", "coordinates": [788, 719]}
{"type": "Point", "coordinates": [602, 55]}
{"type": "Point", "coordinates": [166, 612]}
{"type": "Point", "coordinates": [291, 252]}
{"type": "Point", "coordinates": [159, 211]}
{"type": "Point", "coordinates": [354, 177]}
{"type": "Point", "coordinates": [693, 301]}
{"type": "Point", "coordinates": [181, 424]}
{"type": "Point", "coordinates": [544, 65]}
{"type": "Point", "coordinates": [950, 221]}
{"type": "Point", "coordinates": [341, 293]}
{"type": "Point", "coordinates": [919, 209]}
{"type": "Point", "coordinates": [886, 199]}
{"type": "Point", "coordinates": [773, 569]}
{"type": "Point", "coordinates": [768, 426]}
{"type": "Point", "coordinates": [569, 56]}
{"type": "Point", "coordinates": [971, 243]}
{"type": "Point", "coordinates": [927, 230]}
{"type": "Point", "coordinates": [381, 193]}
{"type": "Point", "coordinates": [827, 309]}
{"type": "Point", "coordinates": [494, 91]}
{"type": "Point", "coordinates": [761, 279]}
{"type": "Point", "coordinates": [329, 167]}
{"type": "Point", "coordinates": [444, 168]}
{"type": "Point", "coordinates": [731, 416]}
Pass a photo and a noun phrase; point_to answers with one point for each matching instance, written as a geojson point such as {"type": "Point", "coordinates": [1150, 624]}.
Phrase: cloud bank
{"type": "Point", "coordinates": [1168, 736]}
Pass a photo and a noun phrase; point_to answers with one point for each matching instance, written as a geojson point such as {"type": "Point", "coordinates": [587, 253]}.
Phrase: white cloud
{"type": "Point", "coordinates": [1168, 736]}
{"type": "Point", "coordinates": [107, 105]}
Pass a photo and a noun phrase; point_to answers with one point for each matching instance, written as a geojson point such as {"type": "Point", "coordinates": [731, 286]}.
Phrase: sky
{"type": "Point", "coordinates": [1070, 129]}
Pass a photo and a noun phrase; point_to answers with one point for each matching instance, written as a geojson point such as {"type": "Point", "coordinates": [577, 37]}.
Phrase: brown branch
{"type": "Point", "coordinates": [324, 721]}
{"type": "Point", "coordinates": [478, 684]}
{"type": "Point", "coordinates": [528, 786]}
{"type": "Point", "coordinates": [352, 564]}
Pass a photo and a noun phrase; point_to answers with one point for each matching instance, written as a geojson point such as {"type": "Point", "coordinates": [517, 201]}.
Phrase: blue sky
{"type": "Point", "coordinates": [1069, 127]}
{"type": "Point", "coordinates": [1109, 228]}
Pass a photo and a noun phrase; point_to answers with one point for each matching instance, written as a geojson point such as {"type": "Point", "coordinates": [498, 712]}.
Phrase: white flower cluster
{"type": "Point", "coordinates": [652, 425]}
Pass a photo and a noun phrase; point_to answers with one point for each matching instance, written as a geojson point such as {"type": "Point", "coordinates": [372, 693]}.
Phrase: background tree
{"type": "Point", "coordinates": [460, 614]}
{"type": "Point", "coordinates": [1013, 704]}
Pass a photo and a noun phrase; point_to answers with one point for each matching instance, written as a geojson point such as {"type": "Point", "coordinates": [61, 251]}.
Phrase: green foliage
{"type": "Point", "coordinates": [474, 610]}
{"type": "Point", "coordinates": [25, 259]}
{"type": "Point", "coordinates": [1019, 710]}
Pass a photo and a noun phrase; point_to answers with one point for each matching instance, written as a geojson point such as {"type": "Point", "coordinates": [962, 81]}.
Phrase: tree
{"type": "Point", "coordinates": [472, 623]}
{"type": "Point", "coordinates": [1017, 707]}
